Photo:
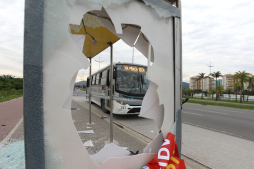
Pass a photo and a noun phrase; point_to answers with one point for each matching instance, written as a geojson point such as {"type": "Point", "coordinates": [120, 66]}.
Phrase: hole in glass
{"type": "Point", "coordinates": [130, 131]}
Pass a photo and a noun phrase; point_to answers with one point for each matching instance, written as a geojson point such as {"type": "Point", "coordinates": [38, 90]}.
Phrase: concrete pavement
{"type": "Point", "coordinates": [217, 150]}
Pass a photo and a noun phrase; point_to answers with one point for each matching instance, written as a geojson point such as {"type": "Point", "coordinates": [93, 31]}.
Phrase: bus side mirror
{"type": "Point", "coordinates": [114, 73]}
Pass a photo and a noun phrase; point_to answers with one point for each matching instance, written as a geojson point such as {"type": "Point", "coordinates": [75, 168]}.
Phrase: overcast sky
{"type": "Point", "coordinates": [218, 31]}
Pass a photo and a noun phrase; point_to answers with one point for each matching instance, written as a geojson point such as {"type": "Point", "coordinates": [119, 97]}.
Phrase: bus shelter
{"type": "Point", "coordinates": [69, 32]}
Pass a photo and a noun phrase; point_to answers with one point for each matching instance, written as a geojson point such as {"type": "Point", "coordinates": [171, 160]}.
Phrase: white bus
{"type": "Point", "coordinates": [129, 82]}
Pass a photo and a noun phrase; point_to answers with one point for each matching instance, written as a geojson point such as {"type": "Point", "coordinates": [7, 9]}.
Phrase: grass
{"type": "Point", "coordinates": [239, 106]}
{"type": "Point", "coordinates": [223, 100]}
{"type": "Point", "coordinates": [83, 89]}
{"type": "Point", "coordinates": [10, 94]}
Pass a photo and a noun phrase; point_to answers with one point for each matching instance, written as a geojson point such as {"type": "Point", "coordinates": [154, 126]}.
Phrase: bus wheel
{"type": "Point", "coordinates": [103, 107]}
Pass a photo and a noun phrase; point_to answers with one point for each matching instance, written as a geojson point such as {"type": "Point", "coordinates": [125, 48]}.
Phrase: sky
{"type": "Point", "coordinates": [216, 31]}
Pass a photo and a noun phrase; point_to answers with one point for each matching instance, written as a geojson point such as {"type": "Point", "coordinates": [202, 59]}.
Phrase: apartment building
{"type": "Point", "coordinates": [228, 81]}
{"type": "Point", "coordinates": [208, 84]}
{"type": "Point", "coordinates": [196, 84]}
{"type": "Point", "coordinates": [219, 82]}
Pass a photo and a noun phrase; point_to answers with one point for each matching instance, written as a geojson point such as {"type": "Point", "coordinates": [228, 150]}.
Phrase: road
{"type": "Point", "coordinates": [235, 122]}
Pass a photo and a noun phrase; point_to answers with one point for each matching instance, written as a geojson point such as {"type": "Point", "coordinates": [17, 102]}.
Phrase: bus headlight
{"type": "Point", "coordinates": [121, 102]}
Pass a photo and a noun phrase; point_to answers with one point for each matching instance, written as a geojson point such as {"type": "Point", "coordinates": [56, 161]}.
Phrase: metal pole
{"type": "Point", "coordinates": [148, 60]}
{"type": "Point", "coordinates": [179, 113]}
{"type": "Point", "coordinates": [133, 54]}
{"type": "Point", "coordinates": [33, 85]}
{"type": "Point", "coordinates": [111, 91]}
{"type": "Point", "coordinates": [90, 89]}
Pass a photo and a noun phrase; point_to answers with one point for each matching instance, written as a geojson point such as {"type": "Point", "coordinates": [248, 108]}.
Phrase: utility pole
{"type": "Point", "coordinates": [99, 63]}
{"type": "Point", "coordinates": [210, 67]}
{"type": "Point", "coordinates": [210, 85]}
{"type": "Point", "coordinates": [134, 46]}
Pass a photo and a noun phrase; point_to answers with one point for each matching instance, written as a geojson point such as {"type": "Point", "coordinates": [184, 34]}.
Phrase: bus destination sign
{"type": "Point", "coordinates": [134, 68]}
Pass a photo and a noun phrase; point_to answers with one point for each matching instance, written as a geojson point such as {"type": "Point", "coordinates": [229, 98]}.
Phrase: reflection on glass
{"type": "Point", "coordinates": [131, 80]}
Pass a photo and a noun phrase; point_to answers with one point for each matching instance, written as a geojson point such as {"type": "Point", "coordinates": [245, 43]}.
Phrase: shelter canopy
{"type": "Point", "coordinates": [96, 27]}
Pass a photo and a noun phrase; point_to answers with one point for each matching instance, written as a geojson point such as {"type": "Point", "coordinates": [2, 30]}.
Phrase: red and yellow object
{"type": "Point", "coordinates": [167, 156]}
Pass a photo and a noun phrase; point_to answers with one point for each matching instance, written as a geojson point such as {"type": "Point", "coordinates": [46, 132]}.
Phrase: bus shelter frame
{"type": "Point", "coordinates": [33, 86]}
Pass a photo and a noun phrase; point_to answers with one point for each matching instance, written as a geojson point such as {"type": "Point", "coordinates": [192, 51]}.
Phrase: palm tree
{"type": "Point", "coordinates": [242, 76]}
{"type": "Point", "coordinates": [192, 92]}
{"type": "Point", "coordinates": [216, 75]}
{"type": "Point", "coordinates": [201, 76]}
{"type": "Point", "coordinates": [220, 89]}
{"type": "Point", "coordinates": [229, 90]}
{"type": "Point", "coordinates": [250, 80]}
{"type": "Point", "coordinates": [212, 92]}
{"type": "Point", "coordinates": [236, 87]}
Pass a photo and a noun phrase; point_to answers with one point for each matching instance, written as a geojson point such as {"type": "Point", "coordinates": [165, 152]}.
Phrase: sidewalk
{"type": "Point", "coordinates": [10, 114]}
{"type": "Point", "coordinates": [217, 150]}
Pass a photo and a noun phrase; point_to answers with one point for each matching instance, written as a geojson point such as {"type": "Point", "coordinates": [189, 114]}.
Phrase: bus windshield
{"type": "Point", "coordinates": [131, 80]}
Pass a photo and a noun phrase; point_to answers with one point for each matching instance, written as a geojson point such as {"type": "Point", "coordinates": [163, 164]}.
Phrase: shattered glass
{"type": "Point", "coordinates": [106, 3]}
{"type": "Point", "coordinates": [161, 12]}
{"type": "Point", "coordinates": [90, 21]}
{"type": "Point", "coordinates": [12, 155]}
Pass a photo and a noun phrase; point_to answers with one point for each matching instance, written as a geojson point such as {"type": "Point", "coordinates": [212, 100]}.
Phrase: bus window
{"type": "Point", "coordinates": [108, 77]}
{"type": "Point", "coordinates": [98, 76]}
{"type": "Point", "coordinates": [94, 80]}
{"type": "Point", "coordinates": [104, 77]}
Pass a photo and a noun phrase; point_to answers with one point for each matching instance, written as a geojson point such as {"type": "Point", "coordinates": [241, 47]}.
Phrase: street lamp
{"type": "Point", "coordinates": [99, 63]}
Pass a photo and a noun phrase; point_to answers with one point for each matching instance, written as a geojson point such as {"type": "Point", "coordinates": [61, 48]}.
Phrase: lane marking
{"type": "Point", "coordinates": [192, 113]}
{"type": "Point", "coordinates": [207, 111]}
{"type": "Point", "coordinates": [228, 109]}
{"type": "Point", "coordinates": [7, 138]}
{"type": "Point", "coordinates": [224, 110]}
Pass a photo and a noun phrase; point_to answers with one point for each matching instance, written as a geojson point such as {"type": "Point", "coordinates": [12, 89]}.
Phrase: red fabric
{"type": "Point", "coordinates": [167, 157]}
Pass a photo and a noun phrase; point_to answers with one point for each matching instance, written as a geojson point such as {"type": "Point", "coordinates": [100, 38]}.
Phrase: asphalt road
{"type": "Point", "coordinates": [235, 122]}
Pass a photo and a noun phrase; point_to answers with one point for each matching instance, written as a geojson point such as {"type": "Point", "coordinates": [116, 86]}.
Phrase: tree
{"type": "Point", "coordinates": [250, 81]}
{"type": "Point", "coordinates": [189, 92]}
{"type": "Point", "coordinates": [236, 87]}
{"type": "Point", "coordinates": [229, 90]}
{"type": "Point", "coordinates": [201, 76]}
{"type": "Point", "coordinates": [242, 77]}
{"type": "Point", "coordinates": [8, 76]}
{"type": "Point", "coordinates": [185, 92]}
{"type": "Point", "coordinates": [216, 75]}
{"type": "Point", "coordinates": [8, 82]}
{"type": "Point", "coordinates": [192, 92]}
{"type": "Point", "coordinates": [220, 89]}
{"type": "Point", "coordinates": [212, 92]}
